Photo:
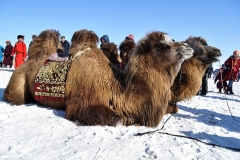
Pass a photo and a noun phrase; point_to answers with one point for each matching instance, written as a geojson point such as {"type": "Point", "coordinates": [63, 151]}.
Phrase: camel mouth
{"type": "Point", "coordinates": [187, 53]}
{"type": "Point", "coordinates": [215, 59]}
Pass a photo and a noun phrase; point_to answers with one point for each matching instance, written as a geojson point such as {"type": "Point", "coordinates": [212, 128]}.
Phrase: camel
{"type": "Point", "coordinates": [96, 92]}
{"type": "Point", "coordinates": [192, 70]}
{"type": "Point", "coordinates": [102, 95]}
{"type": "Point", "coordinates": [126, 50]}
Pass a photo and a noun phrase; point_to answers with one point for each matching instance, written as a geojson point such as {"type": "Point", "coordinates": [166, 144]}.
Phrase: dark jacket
{"type": "Point", "coordinates": [7, 55]}
{"type": "Point", "coordinates": [66, 46]}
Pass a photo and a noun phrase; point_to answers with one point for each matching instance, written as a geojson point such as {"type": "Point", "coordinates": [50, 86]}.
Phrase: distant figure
{"type": "Point", "coordinates": [8, 58]}
{"type": "Point", "coordinates": [1, 55]}
{"type": "Point", "coordinates": [66, 46]}
{"type": "Point", "coordinates": [104, 39]}
{"type": "Point", "coordinates": [204, 87]}
{"type": "Point", "coordinates": [130, 37]}
{"type": "Point", "coordinates": [232, 67]}
{"type": "Point", "coordinates": [20, 50]}
{"type": "Point", "coordinates": [210, 71]}
{"type": "Point", "coordinates": [222, 83]}
{"type": "Point", "coordinates": [33, 39]}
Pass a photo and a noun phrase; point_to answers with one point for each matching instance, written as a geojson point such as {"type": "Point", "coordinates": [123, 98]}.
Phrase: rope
{"type": "Point", "coordinates": [211, 144]}
{"type": "Point", "coordinates": [226, 97]}
{"type": "Point", "coordinates": [175, 106]}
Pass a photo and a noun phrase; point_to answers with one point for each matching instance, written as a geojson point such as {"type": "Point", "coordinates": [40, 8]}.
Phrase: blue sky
{"type": "Point", "coordinates": [216, 20]}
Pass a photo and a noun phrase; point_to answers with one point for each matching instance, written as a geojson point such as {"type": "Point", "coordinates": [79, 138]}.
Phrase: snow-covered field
{"type": "Point", "coordinates": [34, 132]}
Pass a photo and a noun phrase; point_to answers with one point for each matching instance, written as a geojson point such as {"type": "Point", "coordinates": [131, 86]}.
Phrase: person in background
{"type": "Point", "coordinates": [8, 58]}
{"type": "Point", "coordinates": [204, 87]}
{"type": "Point", "coordinates": [20, 50]}
{"type": "Point", "coordinates": [66, 46]}
{"type": "Point", "coordinates": [222, 83]}
{"type": "Point", "coordinates": [33, 39]}
{"type": "Point", "coordinates": [232, 65]}
{"type": "Point", "coordinates": [1, 55]}
{"type": "Point", "coordinates": [130, 37]}
{"type": "Point", "coordinates": [104, 39]}
{"type": "Point", "coordinates": [210, 71]}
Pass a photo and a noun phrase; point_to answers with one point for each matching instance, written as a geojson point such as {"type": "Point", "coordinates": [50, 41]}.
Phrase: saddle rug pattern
{"type": "Point", "coordinates": [50, 80]}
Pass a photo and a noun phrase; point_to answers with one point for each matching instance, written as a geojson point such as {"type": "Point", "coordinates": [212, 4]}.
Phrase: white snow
{"type": "Point", "coordinates": [34, 132]}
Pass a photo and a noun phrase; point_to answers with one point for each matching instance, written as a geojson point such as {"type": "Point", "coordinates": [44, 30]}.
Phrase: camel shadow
{"type": "Point", "coordinates": [7, 69]}
{"type": "Point", "coordinates": [230, 142]}
{"type": "Point", "coordinates": [211, 118]}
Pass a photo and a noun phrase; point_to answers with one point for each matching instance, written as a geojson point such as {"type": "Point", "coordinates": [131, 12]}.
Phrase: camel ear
{"type": "Point", "coordinates": [144, 46]}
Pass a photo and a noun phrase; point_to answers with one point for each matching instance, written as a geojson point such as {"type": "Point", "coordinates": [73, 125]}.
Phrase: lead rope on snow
{"type": "Point", "coordinates": [226, 96]}
{"type": "Point", "coordinates": [177, 94]}
{"type": "Point", "coordinates": [175, 106]}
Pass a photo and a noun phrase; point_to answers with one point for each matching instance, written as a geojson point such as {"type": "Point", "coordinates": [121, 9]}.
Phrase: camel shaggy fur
{"type": "Point", "coordinates": [126, 50]}
{"type": "Point", "coordinates": [102, 95]}
{"type": "Point", "coordinates": [192, 70]}
{"type": "Point", "coordinates": [111, 52]}
{"type": "Point", "coordinates": [97, 93]}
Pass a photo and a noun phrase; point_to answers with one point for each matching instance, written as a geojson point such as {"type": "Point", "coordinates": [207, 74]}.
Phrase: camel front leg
{"type": "Point", "coordinates": [92, 115]}
{"type": "Point", "coordinates": [172, 108]}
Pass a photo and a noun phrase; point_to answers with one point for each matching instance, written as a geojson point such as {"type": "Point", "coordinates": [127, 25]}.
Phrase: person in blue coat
{"type": "Point", "coordinates": [66, 47]}
{"type": "Point", "coordinates": [104, 39]}
{"type": "Point", "coordinates": [1, 55]}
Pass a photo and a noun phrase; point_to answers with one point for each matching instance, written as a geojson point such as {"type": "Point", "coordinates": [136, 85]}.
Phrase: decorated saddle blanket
{"type": "Point", "coordinates": [50, 81]}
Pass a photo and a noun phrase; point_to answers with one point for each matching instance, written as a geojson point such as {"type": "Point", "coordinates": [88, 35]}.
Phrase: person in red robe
{"type": "Point", "coordinates": [20, 50]}
{"type": "Point", "coordinates": [232, 65]}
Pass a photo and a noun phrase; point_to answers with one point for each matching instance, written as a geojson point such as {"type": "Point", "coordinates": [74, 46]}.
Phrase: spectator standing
{"type": "Point", "coordinates": [20, 51]}
{"type": "Point", "coordinates": [221, 84]}
{"type": "Point", "coordinates": [232, 65]}
{"type": "Point", "coordinates": [1, 55]}
{"type": "Point", "coordinates": [8, 58]}
{"type": "Point", "coordinates": [65, 45]}
{"type": "Point", "coordinates": [33, 39]}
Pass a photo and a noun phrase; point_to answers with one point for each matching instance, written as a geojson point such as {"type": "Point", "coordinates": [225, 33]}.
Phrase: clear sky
{"type": "Point", "coordinates": [218, 21]}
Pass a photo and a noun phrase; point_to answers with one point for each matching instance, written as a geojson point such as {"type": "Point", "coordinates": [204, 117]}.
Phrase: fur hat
{"type": "Point", "coordinates": [20, 36]}
{"type": "Point", "coordinates": [34, 36]}
{"type": "Point", "coordinates": [237, 52]}
{"type": "Point", "coordinates": [130, 37]}
{"type": "Point", "coordinates": [7, 41]}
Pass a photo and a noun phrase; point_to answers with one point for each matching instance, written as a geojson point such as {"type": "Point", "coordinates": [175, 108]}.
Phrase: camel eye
{"type": "Point", "coordinates": [166, 47]}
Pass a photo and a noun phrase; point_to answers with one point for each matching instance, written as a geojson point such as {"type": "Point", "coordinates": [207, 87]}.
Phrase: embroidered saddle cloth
{"type": "Point", "coordinates": [50, 80]}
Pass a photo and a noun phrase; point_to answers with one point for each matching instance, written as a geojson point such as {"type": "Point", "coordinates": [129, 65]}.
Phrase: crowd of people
{"type": "Point", "coordinates": [224, 80]}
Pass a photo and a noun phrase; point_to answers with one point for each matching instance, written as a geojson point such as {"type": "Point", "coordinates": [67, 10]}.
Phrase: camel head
{"type": "Point", "coordinates": [126, 49]}
{"type": "Point", "coordinates": [160, 50]}
{"type": "Point", "coordinates": [110, 51]}
{"type": "Point", "coordinates": [204, 53]}
{"type": "Point", "coordinates": [46, 43]}
{"type": "Point", "coordinates": [83, 39]}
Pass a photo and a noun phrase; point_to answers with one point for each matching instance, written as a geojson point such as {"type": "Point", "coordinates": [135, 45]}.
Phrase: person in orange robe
{"type": "Point", "coordinates": [20, 50]}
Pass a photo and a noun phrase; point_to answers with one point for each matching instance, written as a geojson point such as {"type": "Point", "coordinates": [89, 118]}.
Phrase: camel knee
{"type": "Point", "coordinates": [172, 108]}
{"type": "Point", "coordinates": [93, 115]}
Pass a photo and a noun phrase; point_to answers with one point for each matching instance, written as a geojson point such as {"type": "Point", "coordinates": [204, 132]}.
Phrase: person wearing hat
{"type": "Point", "coordinates": [130, 37]}
{"type": "Point", "coordinates": [66, 46]}
{"type": "Point", "coordinates": [7, 55]}
{"type": "Point", "coordinates": [20, 51]}
{"type": "Point", "coordinates": [232, 65]}
{"type": "Point", "coordinates": [33, 39]}
{"type": "Point", "coordinates": [104, 39]}
{"type": "Point", "coordinates": [1, 55]}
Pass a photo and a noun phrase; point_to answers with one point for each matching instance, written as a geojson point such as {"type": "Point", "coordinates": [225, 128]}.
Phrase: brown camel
{"type": "Point", "coordinates": [96, 92]}
{"type": "Point", "coordinates": [20, 89]}
{"type": "Point", "coordinates": [193, 70]}
{"type": "Point", "coordinates": [126, 50]}
{"type": "Point", "coordinates": [102, 96]}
